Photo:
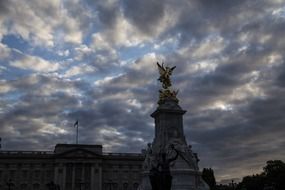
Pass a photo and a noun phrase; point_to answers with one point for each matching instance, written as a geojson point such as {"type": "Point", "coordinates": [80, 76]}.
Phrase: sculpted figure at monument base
{"type": "Point", "coordinates": [160, 176]}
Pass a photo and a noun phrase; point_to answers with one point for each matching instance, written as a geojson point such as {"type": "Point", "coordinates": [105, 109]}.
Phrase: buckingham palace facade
{"type": "Point", "coordinates": [70, 167]}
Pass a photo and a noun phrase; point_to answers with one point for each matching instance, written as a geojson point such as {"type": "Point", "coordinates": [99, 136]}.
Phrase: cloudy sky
{"type": "Point", "coordinates": [62, 60]}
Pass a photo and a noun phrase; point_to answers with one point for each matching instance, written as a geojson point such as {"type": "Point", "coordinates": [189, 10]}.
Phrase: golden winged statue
{"type": "Point", "coordinates": [166, 93]}
{"type": "Point", "coordinates": [165, 73]}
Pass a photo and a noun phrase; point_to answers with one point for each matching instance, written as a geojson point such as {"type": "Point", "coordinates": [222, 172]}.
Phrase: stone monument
{"type": "Point", "coordinates": [169, 146]}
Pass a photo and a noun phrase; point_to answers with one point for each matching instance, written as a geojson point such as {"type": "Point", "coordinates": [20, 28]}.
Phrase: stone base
{"type": "Point", "coordinates": [184, 171]}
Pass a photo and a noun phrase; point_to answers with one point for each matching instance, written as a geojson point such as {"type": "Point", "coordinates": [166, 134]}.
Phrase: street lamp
{"type": "Point", "coordinates": [81, 184]}
{"type": "Point", "coordinates": [52, 186]}
{"type": "Point", "coordinates": [10, 184]}
{"type": "Point", "coordinates": [233, 185]}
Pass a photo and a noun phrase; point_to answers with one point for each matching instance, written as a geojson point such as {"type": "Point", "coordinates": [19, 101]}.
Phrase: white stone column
{"type": "Point", "coordinates": [100, 177]}
{"type": "Point", "coordinates": [64, 177]}
{"type": "Point", "coordinates": [82, 179]}
{"type": "Point", "coordinates": [55, 178]}
{"type": "Point", "coordinates": [73, 176]}
{"type": "Point", "coordinates": [92, 177]}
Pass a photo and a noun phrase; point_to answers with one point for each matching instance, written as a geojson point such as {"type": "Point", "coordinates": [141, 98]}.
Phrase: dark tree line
{"type": "Point", "coordinates": [272, 178]}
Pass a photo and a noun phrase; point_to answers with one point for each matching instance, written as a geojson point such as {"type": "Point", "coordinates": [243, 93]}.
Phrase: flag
{"type": "Point", "coordinates": [76, 123]}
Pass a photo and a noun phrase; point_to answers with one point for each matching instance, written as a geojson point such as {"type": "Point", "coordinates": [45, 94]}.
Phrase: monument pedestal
{"type": "Point", "coordinates": [169, 133]}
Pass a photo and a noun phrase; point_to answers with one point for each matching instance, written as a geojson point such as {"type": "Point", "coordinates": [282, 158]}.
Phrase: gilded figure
{"type": "Point", "coordinates": [165, 73]}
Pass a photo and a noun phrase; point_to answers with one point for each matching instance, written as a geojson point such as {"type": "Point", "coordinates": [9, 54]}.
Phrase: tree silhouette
{"type": "Point", "coordinates": [275, 173]}
{"type": "Point", "coordinates": [272, 177]}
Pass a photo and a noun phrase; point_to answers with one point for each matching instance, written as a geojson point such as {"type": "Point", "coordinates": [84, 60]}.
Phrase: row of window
{"type": "Point", "coordinates": [106, 186]}
{"type": "Point", "coordinates": [124, 186]}
{"type": "Point", "coordinates": [87, 165]}
{"type": "Point", "coordinates": [121, 175]}
{"type": "Point", "coordinates": [27, 165]}
{"type": "Point", "coordinates": [122, 166]}
{"type": "Point", "coordinates": [23, 186]}
{"type": "Point", "coordinates": [25, 174]}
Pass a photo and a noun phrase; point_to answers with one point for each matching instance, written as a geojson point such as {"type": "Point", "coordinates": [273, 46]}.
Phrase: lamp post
{"type": "Point", "coordinates": [233, 185]}
{"type": "Point", "coordinates": [81, 184]}
{"type": "Point", "coordinates": [52, 186]}
{"type": "Point", "coordinates": [10, 184]}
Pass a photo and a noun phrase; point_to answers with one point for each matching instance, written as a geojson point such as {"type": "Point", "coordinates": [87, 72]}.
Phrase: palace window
{"type": "Point", "coordinates": [37, 174]}
{"type": "Point", "coordinates": [36, 186]}
{"type": "Point", "coordinates": [125, 186]}
{"type": "Point", "coordinates": [115, 186]}
{"type": "Point", "coordinates": [24, 186]}
{"type": "Point", "coordinates": [136, 185]}
{"type": "Point", "coordinates": [49, 174]}
{"type": "Point", "coordinates": [24, 174]}
{"type": "Point", "coordinates": [12, 174]}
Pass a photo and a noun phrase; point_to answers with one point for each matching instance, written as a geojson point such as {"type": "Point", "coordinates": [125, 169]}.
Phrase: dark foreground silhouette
{"type": "Point", "coordinates": [160, 176]}
{"type": "Point", "coordinates": [272, 178]}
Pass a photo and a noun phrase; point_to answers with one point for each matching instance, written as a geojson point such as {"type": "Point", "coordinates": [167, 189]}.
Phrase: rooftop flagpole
{"type": "Point", "coordinates": [76, 124]}
{"type": "Point", "coordinates": [77, 135]}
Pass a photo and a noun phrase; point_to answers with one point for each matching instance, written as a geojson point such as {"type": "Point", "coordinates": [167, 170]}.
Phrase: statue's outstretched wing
{"type": "Point", "coordinates": [172, 69]}
{"type": "Point", "coordinates": [161, 69]}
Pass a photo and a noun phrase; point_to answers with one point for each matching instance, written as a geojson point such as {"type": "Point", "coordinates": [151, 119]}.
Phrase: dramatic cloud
{"type": "Point", "coordinates": [4, 51]}
{"type": "Point", "coordinates": [95, 61]}
{"type": "Point", "coordinates": [41, 23]}
{"type": "Point", "coordinates": [35, 63]}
